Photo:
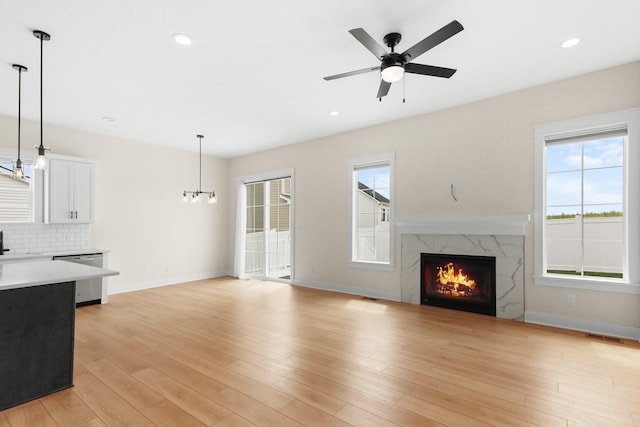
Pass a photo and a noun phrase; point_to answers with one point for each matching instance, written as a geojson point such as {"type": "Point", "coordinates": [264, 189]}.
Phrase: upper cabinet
{"type": "Point", "coordinates": [69, 192]}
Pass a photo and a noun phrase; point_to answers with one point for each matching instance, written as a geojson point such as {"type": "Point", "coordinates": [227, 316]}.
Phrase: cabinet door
{"type": "Point", "coordinates": [84, 177]}
{"type": "Point", "coordinates": [59, 191]}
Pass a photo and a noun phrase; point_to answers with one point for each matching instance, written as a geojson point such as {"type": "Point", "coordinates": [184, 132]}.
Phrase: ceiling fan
{"type": "Point", "coordinates": [394, 65]}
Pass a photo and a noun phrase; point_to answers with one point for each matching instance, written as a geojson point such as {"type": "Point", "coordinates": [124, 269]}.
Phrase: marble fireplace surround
{"type": "Point", "coordinates": [500, 236]}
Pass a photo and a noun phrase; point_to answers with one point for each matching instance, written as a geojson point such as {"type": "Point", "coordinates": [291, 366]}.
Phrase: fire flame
{"type": "Point", "coordinates": [448, 277]}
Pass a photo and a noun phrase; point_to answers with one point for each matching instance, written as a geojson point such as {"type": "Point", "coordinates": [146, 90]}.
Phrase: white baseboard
{"type": "Point", "coordinates": [589, 326]}
{"type": "Point", "coordinates": [131, 287]}
{"type": "Point", "coordinates": [345, 289]}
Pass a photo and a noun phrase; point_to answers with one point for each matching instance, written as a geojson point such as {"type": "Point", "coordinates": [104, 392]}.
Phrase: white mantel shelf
{"type": "Point", "coordinates": [485, 225]}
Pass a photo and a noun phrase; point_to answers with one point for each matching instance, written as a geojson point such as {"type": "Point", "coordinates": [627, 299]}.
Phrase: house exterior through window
{"type": "Point", "coordinates": [372, 210]}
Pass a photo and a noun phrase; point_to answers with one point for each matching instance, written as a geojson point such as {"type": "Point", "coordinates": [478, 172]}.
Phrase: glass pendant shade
{"type": "Point", "coordinates": [18, 173]}
{"type": "Point", "coordinates": [41, 161]}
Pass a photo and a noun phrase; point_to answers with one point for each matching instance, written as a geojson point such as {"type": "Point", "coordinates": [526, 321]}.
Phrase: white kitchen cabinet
{"type": "Point", "coordinates": [69, 191]}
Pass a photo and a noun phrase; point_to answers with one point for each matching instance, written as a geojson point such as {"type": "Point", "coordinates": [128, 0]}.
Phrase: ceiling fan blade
{"type": "Point", "coordinates": [351, 73]}
{"type": "Point", "coordinates": [384, 89]}
{"type": "Point", "coordinates": [367, 41]}
{"type": "Point", "coordinates": [444, 33]}
{"type": "Point", "coordinates": [429, 70]}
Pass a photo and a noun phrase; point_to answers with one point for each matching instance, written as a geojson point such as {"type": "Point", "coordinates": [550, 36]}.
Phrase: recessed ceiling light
{"type": "Point", "coordinates": [334, 113]}
{"type": "Point", "coordinates": [182, 39]}
{"type": "Point", "coordinates": [571, 42]}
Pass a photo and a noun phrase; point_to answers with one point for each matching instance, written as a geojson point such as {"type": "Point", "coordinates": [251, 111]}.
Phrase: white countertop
{"type": "Point", "coordinates": [8, 256]}
{"type": "Point", "coordinates": [33, 273]}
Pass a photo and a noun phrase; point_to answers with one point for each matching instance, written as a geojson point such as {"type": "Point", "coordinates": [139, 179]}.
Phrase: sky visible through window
{"type": "Point", "coordinates": [25, 168]}
{"type": "Point", "coordinates": [585, 177]}
{"type": "Point", "coordinates": [377, 178]}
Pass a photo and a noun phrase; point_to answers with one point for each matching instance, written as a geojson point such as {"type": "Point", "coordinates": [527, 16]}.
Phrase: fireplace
{"type": "Point", "coordinates": [460, 282]}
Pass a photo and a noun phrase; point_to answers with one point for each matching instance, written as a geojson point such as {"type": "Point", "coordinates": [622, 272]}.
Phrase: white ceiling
{"type": "Point", "coordinates": [252, 79]}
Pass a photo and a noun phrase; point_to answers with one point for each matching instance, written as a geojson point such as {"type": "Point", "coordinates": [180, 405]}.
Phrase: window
{"type": "Point", "coordinates": [372, 210]}
{"type": "Point", "coordinates": [16, 195]}
{"type": "Point", "coordinates": [587, 202]}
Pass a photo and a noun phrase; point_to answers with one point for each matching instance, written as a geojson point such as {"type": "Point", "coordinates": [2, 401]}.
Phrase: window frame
{"type": "Point", "coordinates": [380, 159]}
{"type": "Point", "coordinates": [585, 126]}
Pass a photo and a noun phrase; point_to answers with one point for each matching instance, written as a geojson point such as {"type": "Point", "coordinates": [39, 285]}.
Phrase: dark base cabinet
{"type": "Point", "coordinates": [37, 326]}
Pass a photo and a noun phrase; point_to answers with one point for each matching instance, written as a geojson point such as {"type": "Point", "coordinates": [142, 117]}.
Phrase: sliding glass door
{"type": "Point", "coordinates": [267, 229]}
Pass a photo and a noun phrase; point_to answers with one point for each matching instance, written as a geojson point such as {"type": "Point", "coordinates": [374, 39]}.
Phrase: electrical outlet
{"type": "Point", "coordinates": [571, 300]}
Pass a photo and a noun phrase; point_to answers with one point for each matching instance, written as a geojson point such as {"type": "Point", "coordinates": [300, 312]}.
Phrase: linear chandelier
{"type": "Point", "coordinates": [194, 195]}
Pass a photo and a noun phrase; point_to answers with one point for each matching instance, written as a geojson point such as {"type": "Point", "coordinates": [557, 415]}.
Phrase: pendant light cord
{"type": "Point", "coordinates": [20, 69]}
{"type": "Point", "coordinates": [19, 108]}
{"type": "Point", "coordinates": [200, 182]}
{"type": "Point", "coordinates": [42, 36]}
{"type": "Point", "coordinates": [41, 62]}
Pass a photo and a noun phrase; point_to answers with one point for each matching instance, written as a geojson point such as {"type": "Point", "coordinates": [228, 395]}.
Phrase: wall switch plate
{"type": "Point", "coordinates": [571, 300]}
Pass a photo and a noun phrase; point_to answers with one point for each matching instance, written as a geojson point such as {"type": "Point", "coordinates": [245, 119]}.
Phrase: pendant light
{"type": "Point", "coordinates": [41, 162]}
{"type": "Point", "coordinates": [194, 196]}
{"type": "Point", "coordinates": [18, 172]}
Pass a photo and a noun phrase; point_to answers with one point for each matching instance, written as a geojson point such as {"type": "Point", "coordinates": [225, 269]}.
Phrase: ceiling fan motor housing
{"type": "Point", "coordinates": [393, 59]}
{"type": "Point", "coordinates": [392, 40]}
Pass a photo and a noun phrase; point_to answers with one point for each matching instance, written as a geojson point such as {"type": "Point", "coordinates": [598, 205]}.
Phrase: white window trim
{"type": "Point", "coordinates": [373, 160]}
{"type": "Point", "coordinates": [631, 120]}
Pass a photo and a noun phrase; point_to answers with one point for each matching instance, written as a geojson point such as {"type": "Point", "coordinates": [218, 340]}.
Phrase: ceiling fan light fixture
{"type": "Point", "coordinates": [393, 73]}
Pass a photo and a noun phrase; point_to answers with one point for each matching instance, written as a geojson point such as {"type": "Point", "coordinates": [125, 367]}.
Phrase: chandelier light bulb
{"type": "Point", "coordinates": [18, 173]}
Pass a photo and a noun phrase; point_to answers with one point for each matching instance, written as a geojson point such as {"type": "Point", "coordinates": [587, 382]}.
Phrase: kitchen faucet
{"type": "Point", "coordinates": [2, 249]}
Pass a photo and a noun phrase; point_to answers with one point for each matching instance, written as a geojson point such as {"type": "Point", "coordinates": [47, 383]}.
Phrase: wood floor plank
{"type": "Point", "coordinates": [228, 352]}
{"type": "Point", "coordinates": [133, 391]}
{"type": "Point", "coordinates": [304, 393]}
{"type": "Point", "coordinates": [252, 410]}
{"type": "Point", "coordinates": [111, 408]}
{"type": "Point", "coordinates": [359, 417]}
{"type": "Point", "coordinates": [192, 402]}
{"type": "Point", "coordinates": [30, 414]}
{"type": "Point", "coordinates": [234, 420]}
{"type": "Point", "coordinates": [166, 414]}
{"type": "Point", "coordinates": [67, 409]}
{"type": "Point", "coordinates": [393, 413]}
{"type": "Point", "coordinates": [311, 416]}
{"type": "Point", "coordinates": [203, 384]}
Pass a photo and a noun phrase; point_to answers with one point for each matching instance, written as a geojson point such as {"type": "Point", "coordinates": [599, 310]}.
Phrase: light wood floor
{"type": "Point", "coordinates": [225, 352]}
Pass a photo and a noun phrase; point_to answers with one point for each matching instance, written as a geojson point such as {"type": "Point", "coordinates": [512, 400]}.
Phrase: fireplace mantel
{"type": "Point", "coordinates": [501, 236]}
{"type": "Point", "coordinates": [500, 225]}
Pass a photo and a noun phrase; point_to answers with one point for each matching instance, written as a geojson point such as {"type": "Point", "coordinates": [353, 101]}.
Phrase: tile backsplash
{"type": "Point", "coordinates": [35, 238]}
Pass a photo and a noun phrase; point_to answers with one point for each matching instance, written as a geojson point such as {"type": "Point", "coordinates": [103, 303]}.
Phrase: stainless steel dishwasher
{"type": "Point", "coordinates": [87, 291]}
